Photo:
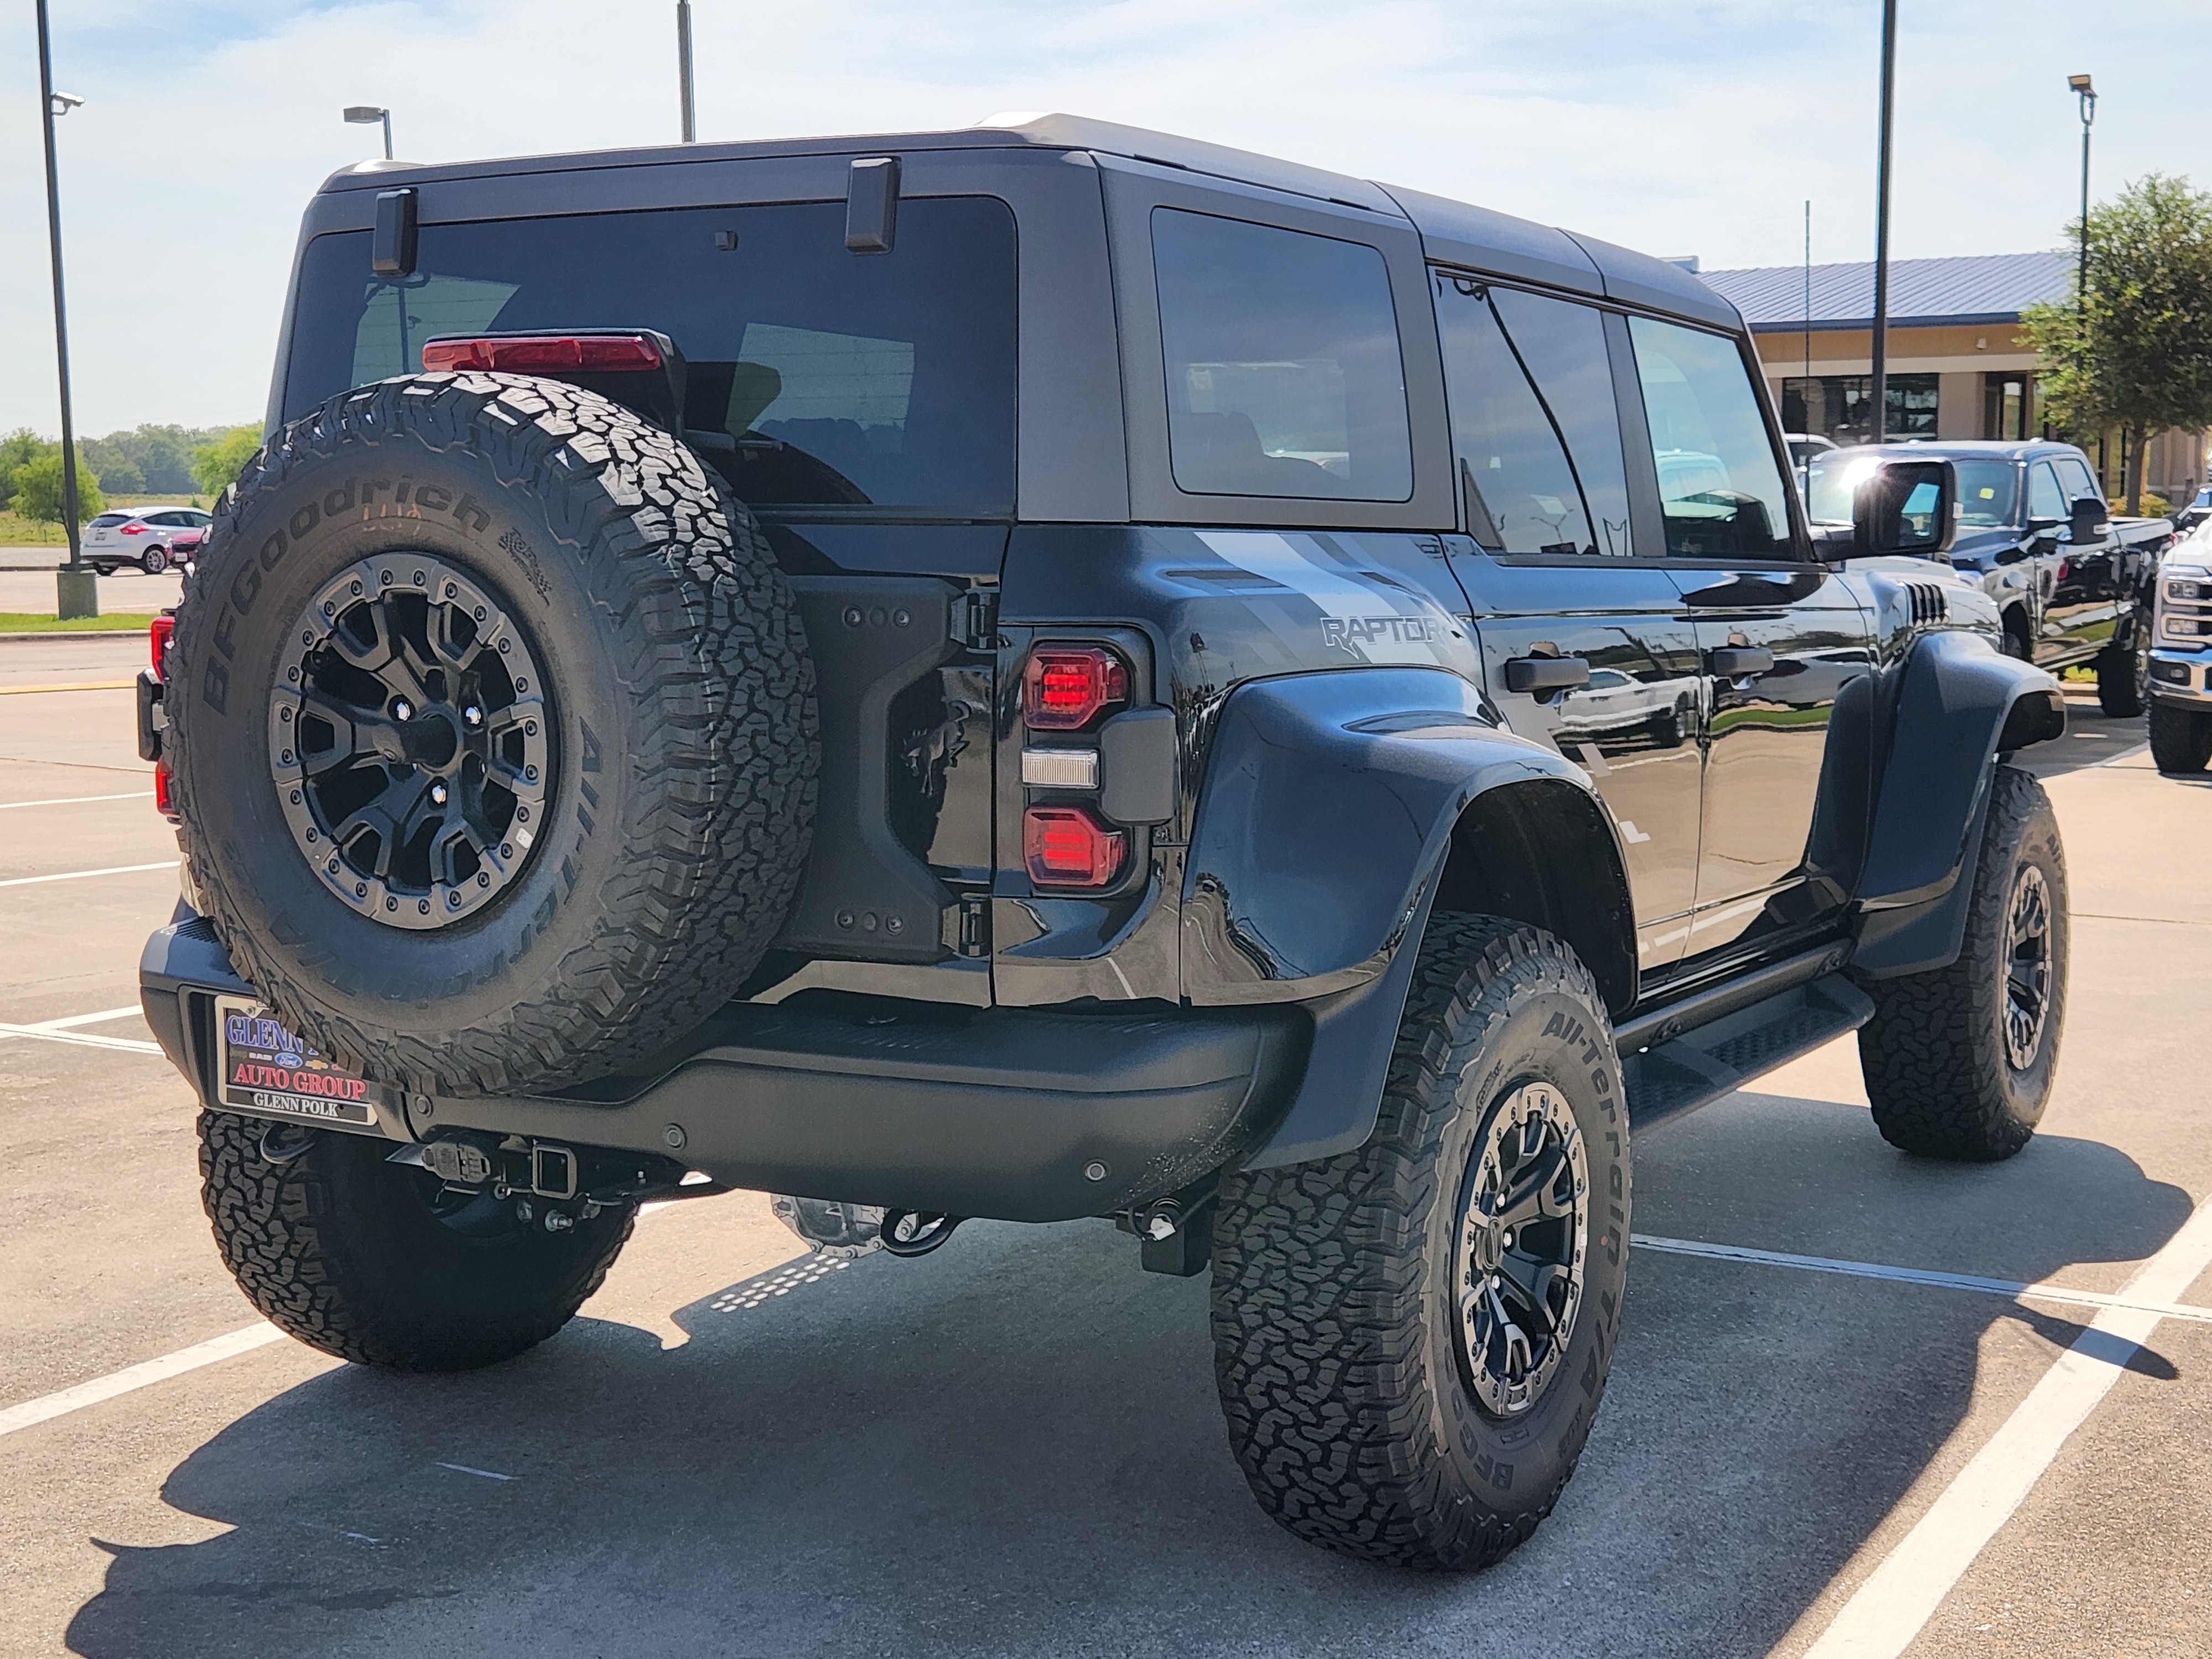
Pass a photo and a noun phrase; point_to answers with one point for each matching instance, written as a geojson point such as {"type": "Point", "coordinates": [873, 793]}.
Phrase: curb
{"type": "Point", "coordinates": [82, 633]}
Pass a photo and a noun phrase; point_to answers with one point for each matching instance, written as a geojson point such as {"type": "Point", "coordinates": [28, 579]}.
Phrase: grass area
{"type": "Point", "coordinates": [17, 531]}
{"type": "Point", "coordinates": [32, 621]}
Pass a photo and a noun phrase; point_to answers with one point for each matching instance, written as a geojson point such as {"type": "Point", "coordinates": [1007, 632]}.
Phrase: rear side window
{"type": "Point", "coordinates": [2046, 500]}
{"type": "Point", "coordinates": [817, 376]}
{"type": "Point", "coordinates": [2075, 476]}
{"type": "Point", "coordinates": [1284, 376]}
{"type": "Point", "coordinates": [1535, 437]}
{"type": "Point", "coordinates": [1721, 490]}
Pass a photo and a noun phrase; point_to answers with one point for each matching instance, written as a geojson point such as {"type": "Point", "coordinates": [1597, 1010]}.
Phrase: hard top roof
{"type": "Point", "coordinates": [1452, 233]}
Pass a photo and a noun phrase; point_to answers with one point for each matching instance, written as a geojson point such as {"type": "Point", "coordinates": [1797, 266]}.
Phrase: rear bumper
{"type": "Point", "coordinates": [1015, 1114]}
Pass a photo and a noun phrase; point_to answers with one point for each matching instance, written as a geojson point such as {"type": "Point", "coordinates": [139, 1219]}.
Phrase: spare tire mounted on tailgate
{"type": "Point", "coordinates": [493, 734]}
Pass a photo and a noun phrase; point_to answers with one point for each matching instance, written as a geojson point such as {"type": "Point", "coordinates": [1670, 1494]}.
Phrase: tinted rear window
{"type": "Point", "coordinates": [109, 520]}
{"type": "Point", "coordinates": [822, 377]}
{"type": "Point", "coordinates": [1282, 370]}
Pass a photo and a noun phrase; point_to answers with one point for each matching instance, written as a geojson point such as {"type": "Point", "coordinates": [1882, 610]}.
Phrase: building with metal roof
{"type": "Point", "coordinates": [1958, 368]}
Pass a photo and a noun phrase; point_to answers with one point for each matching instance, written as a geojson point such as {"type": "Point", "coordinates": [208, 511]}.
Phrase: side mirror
{"type": "Point", "coordinates": [2089, 521]}
{"type": "Point", "coordinates": [1906, 506]}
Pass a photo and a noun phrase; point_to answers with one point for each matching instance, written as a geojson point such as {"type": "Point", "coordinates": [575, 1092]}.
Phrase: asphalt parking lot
{"type": "Point", "coordinates": [1012, 1447]}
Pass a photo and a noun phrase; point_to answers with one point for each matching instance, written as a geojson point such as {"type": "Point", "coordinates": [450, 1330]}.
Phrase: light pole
{"type": "Point", "coordinates": [368, 115]}
{"type": "Point", "coordinates": [1881, 387]}
{"type": "Point", "coordinates": [685, 105]}
{"type": "Point", "coordinates": [2086, 95]}
{"type": "Point", "coordinates": [76, 589]}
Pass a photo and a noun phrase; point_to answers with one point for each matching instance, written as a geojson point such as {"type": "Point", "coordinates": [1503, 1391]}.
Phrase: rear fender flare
{"type": "Point", "coordinates": [1338, 810]}
{"type": "Point", "coordinates": [1961, 702]}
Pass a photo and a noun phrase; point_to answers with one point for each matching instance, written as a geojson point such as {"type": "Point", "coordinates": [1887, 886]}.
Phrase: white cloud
{"type": "Point", "coordinates": [1681, 128]}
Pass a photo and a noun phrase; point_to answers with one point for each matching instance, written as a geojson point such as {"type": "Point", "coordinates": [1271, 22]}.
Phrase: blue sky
{"type": "Point", "coordinates": [1670, 126]}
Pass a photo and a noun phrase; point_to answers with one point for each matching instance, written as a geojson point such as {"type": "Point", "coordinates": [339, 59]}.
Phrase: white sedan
{"type": "Point", "coordinates": [148, 537]}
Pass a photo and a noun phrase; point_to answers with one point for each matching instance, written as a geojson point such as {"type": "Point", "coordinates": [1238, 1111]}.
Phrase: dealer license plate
{"type": "Point", "coordinates": [266, 1068]}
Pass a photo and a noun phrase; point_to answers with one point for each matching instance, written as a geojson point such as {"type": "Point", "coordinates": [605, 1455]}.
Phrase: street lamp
{"type": "Point", "coordinates": [1879, 392]}
{"type": "Point", "coordinates": [76, 589]}
{"type": "Point", "coordinates": [2086, 95]}
{"type": "Point", "coordinates": [368, 115]}
{"type": "Point", "coordinates": [686, 119]}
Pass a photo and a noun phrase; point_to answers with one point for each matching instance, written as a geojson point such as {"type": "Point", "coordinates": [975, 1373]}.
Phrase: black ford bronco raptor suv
{"type": "Point", "coordinates": [1046, 671]}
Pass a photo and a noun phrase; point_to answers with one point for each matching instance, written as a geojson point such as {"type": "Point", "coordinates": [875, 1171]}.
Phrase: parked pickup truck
{"type": "Point", "coordinates": [1294, 717]}
{"type": "Point", "coordinates": [2072, 582]}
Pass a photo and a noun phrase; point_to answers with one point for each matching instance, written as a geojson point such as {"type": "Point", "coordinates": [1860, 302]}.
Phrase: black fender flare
{"type": "Point", "coordinates": [1323, 830]}
{"type": "Point", "coordinates": [1959, 704]}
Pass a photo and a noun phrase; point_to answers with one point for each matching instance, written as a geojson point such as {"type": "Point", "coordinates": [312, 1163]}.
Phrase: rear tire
{"type": "Point", "coordinates": [1351, 1296]}
{"type": "Point", "coordinates": [1958, 1061]}
{"type": "Point", "coordinates": [2015, 640]}
{"type": "Point", "coordinates": [342, 1249]}
{"type": "Point", "coordinates": [2180, 737]}
{"type": "Point", "coordinates": [153, 561]}
{"type": "Point", "coordinates": [2123, 677]}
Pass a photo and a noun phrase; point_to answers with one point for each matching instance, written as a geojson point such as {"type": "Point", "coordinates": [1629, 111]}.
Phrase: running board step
{"type": "Point", "coordinates": [1700, 1066]}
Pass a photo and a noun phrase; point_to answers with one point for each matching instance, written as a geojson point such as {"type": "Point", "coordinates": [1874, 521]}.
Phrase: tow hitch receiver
{"type": "Point", "coordinates": [520, 1168]}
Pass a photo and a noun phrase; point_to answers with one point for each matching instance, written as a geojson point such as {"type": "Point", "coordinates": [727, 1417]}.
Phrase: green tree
{"type": "Point", "coordinates": [39, 488]}
{"type": "Point", "coordinates": [216, 465]}
{"type": "Point", "coordinates": [18, 446]}
{"type": "Point", "coordinates": [2135, 350]}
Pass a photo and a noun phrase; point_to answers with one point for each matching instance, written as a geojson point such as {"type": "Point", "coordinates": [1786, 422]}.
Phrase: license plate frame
{"type": "Point", "coordinates": [264, 1069]}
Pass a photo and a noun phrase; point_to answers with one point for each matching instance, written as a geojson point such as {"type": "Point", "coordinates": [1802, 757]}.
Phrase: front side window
{"type": "Point", "coordinates": [1284, 376]}
{"type": "Point", "coordinates": [2075, 478]}
{"type": "Point", "coordinates": [1535, 437]}
{"type": "Point", "coordinates": [1721, 490]}
{"type": "Point", "coordinates": [2046, 500]}
{"type": "Point", "coordinates": [817, 376]}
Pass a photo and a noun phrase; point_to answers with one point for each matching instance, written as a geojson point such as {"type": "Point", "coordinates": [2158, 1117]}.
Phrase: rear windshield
{"type": "Point", "coordinates": [109, 520]}
{"type": "Point", "coordinates": [818, 376]}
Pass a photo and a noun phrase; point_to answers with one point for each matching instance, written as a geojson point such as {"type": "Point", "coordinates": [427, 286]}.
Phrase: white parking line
{"type": "Point", "coordinates": [80, 875]}
{"type": "Point", "coordinates": [82, 1039]}
{"type": "Point", "coordinates": [1886, 1613]}
{"type": "Point", "coordinates": [76, 801]}
{"type": "Point", "coordinates": [48, 1407]}
{"type": "Point", "coordinates": [2016, 1290]}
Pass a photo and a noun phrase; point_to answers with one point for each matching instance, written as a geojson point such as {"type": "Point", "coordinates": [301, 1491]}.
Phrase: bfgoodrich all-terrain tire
{"type": "Point", "coordinates": [1412, 1340]}
{"type": "Point", "coordinates": [1958, 1061]}
{"type": "Point", "coordinates": [370, 1260]}
{"type": "Point", "coordinates": [493, 734]}
{"type": "Point", "coordinates": [2180, 737]}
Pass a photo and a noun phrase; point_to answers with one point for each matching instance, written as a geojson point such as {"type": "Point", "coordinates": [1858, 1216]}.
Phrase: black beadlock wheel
{"type": "Point", "coordinates": [1411, 1340]}
{"type": "Point", "coordinates": [1958, 1061]}
{"type": "Point", "coordinates": [493, 733]}
{"type": "Point", "coordinates": [378, 1263]}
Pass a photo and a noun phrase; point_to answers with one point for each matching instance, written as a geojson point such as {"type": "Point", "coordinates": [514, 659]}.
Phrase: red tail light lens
{"type": "Point", "coordinates": [158, 636]}
{"type": "Point", "coordinates": [1064, 688]}
{"type": "Point", "coordinates": [1067, 847]}
{"type": "Point", "coordinates": [544, 354]}
{"type": "Point", "coordinates": [163, 800]}
{"type": "Point", "coordinates": [134, 529]}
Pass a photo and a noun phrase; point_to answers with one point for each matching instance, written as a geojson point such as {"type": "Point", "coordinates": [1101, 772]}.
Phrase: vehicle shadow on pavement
{"type": "Point", "coordinates": [1013, 1448]}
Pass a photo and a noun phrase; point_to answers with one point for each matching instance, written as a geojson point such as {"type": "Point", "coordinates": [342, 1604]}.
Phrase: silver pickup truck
{"type": "Point", "coordinates": [2181, 657]}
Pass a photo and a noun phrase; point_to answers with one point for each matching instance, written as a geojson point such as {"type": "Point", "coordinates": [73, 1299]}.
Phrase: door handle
{"type": "Point", "coordinates": [1546, 673]}
{"type": "Point", "coordinates": [1734, 662]}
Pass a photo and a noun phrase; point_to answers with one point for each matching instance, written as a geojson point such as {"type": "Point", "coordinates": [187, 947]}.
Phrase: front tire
{"type": "Point", "coordinates": [352, 1253]}
{"type": "Point", "coordinates": [1958, 1061]}
{"type": "Point", "coordinates": [1411, 1339]}
{"type": "Point", "coordinates": [2180, 737]}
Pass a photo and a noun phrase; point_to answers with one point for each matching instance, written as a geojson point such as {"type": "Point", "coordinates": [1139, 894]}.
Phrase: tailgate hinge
{"type": "Point", "coordinates": [976, 618]}
{"type": "Point", "coordinates": [975, 939]}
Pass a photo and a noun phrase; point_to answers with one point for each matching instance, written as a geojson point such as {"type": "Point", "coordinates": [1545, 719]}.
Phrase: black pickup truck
{"type": "Point", "coordinates": [1295, 716]}
{"type": "Point", "coordinates": [2073, 583]}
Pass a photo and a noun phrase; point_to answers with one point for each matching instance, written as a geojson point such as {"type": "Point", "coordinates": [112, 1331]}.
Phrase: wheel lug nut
{"type": "Point", "coordinates": [437, 794]}
{"type": "Point", "coordinates": [403, 710]}
{"type": "Point", "coordinates": [472, 715]}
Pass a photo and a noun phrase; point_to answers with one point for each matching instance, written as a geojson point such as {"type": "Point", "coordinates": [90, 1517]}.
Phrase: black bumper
{"type": "Point", "coordinates": [1017, 1114]}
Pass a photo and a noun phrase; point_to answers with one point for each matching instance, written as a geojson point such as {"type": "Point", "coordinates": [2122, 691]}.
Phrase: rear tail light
{"type": "Point", "coordinates": [1064, 688]}
{"type": "Point", "coordinates": [163, 802]}
{"type": "Point", "coordinates": [544, 354]}
{"type": "Point", "coordinates": [134, 529]}
{"type": "Point", "coordinates": [158, 636]}
{"type": "Point", "coordinates": [1068, 847]}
